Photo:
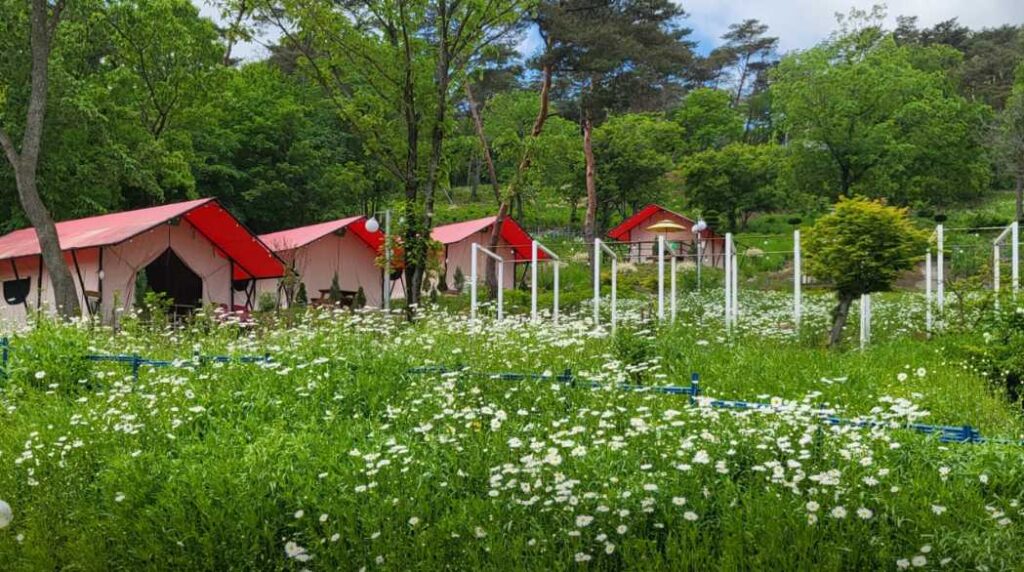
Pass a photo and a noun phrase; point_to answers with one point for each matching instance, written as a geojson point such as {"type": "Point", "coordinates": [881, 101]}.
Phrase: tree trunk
{"type": "Point", "coordinates": [590, 222]}
{"type": "Point", "coordinates": [478, 125]}
{"type": "Point", "coordinates": [474, 178]}
{"type": "Point", "coordinates": [1020, 196]}
{"type": "Point", "coordinates": [442, 80]}
{"type": "Point", "coordinates": [839, 315]}
{"type": "Point", "coordinates": [232, 38]}
{"type": "Point", "coordinates": [415, 246]}
{"type": "Point", "coordinates": [524, 164]}
{"type": "Point", "coordinates": [26, 161]}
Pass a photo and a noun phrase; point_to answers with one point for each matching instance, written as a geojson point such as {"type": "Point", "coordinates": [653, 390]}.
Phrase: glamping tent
{"type": "Point", "coordinates": [458, 238]}
{"type": "Point", "coordinates": [643, 243]}
{"type": "Point", "coordinates": [342, 248]}
{"type": "Point", "coordinates": [196, 252]}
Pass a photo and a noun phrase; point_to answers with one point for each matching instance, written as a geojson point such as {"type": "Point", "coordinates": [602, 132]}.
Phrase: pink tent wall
{"type": "Point", "coordinates": [459, 255]}
{"type": "Point", "coordinates": [120, 263]}
{"type": "Point", "coordinates": [344, 254]}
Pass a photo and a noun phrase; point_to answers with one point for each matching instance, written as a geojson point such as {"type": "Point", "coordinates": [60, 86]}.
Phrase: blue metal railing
{"type": "Point", "coordinates": [137, 362]}
{"type": "Point", "coordinates": [946, 433]}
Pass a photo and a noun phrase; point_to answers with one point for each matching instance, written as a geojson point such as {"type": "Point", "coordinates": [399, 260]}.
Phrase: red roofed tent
{"type": "Point", "coordinates": [643, 242]}
{"type": "Point", "coordinates": [514, 245]}
{"type": "Point", "coordinates": [193, 250]}
{"type": "Point", "coordinates": [342, 247]}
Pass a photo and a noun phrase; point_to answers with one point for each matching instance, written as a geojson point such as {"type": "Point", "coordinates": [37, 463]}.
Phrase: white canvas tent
{"type": "Point", "coordinates": [196, 252]}
{"type": "Point", "coordinates": [457, 240]}
{"type": "Point", "coordinates": [342, 248]}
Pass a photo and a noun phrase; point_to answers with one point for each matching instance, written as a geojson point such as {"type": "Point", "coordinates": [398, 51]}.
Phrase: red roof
{"type": "Point", "coordinates": [305, 235]}
{"type": "Point", "coordinates": [622, 231]}
{"type": "Point", "coordinates": [213, 221]}
{"type": "Point", "coordinates": [511, 233]}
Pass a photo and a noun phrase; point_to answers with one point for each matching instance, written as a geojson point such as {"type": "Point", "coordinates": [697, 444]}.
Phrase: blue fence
{"type": "Point", "coordinates": [945, 433]}
{"type": "Point", "coordinates": [137, 362]}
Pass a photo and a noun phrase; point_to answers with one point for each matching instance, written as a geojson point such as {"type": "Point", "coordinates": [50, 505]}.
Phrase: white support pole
{"type": "Point", "coordinates": [728, 280]}
{"type": "Point", "coordinates": [661, 278]}
{"type": "Point", "coordinates": [554, 310]}
{"type": "Point", "coordinates": [995, 269]}
{"type": "Point", "coordinates": [797, 277]}
{"type": "Point", "coordinates": [940, 274]}
{"type": "Point", "coordinates": [735, 284]}
{"type": "Point", "coordinates": [598, 247]}
{"type": "Point", "coordinates": [700, 259]}
{"type": "Point", "coordinates": [672, 300]}
{"type": "Point", "coordinates": [615, 277]}
{"type": "Point", "coordinates": [387, 260]}
{"type": "Point", "coordinates": [597, 281]}
{"type": "Point", "coordinates": [1015, 256]}
{"type": "Point", "coordinates": [863, 321]}
{"type": "Point", "coordinates": [476, 249]}
{"type": "Point", "coordinates": [501, 287]}
{"type": "Point", "coordinates": [928, 294]}
{"type": "Point", "coordinates": [472, 281]}
{"type": "Point", "coordinates": [533, 281]}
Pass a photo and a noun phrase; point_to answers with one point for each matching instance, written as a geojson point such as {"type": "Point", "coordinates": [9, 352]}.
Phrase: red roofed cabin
{"type": "Point", "coordinates": [514, 247]}
{"type": "Point", "coordinates": [196, 252]}
{"type": "Point", "coordinates": [643, 243]}
{"type": "Point", "coordinates": [342, 248]}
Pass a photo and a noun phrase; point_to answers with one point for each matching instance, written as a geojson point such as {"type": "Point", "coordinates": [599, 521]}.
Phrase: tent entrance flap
{"type": "Point", "coordinates": [169, 275]}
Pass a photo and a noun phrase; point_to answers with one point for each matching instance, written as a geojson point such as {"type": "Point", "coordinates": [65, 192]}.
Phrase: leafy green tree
{"type": "Point", "coordinates": [860, 248]}
{"type": "Point", "coordinates": [735, 181]}
{"type": "Point", "coordinates": [391, 68]}
{"type": "Point", "coordinates": [887, 128]}
{"type": "Point", "coordinates": [617, 56]}
{"type": "Point", "coordinates": [708, 120]}
{"type": "Point", "coordinates": [634, 152]}
{"type": "Point", "coordinates": [1009, 139]}
{"type": "Point", "coordinates": [749, 50]}
{"type": "Point", "coordinates": [27, 61]}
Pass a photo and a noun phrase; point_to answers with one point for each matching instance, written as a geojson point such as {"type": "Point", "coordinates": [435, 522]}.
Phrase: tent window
{"type": "Point", "coordinates": [16, 291]}
{"type": "Point", "coordinates": [241, 285]}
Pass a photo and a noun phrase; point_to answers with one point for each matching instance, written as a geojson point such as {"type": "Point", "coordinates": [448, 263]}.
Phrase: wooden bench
{"type": "Point", "coordinates": [348, 298]}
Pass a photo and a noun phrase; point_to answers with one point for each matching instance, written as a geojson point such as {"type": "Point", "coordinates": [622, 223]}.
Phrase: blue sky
{"type": "Point", "coordinates": [798, 23]}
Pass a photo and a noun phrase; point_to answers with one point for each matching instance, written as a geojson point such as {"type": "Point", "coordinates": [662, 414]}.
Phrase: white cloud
{"type": "Point", "coordinates": [802, 23]}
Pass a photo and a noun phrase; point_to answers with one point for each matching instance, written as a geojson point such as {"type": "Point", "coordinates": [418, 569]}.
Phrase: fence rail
{"type": "Point", "coordinates": [946, 433]}
{"type": "Point", "coordinates": [137, 362]}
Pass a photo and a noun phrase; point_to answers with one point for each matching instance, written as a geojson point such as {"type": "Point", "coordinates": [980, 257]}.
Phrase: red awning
{"type": "Point", "coordinates": [511, 233]}
{"type": "Point", "coordinates": [251, 257]}
{"type": "Point", "coordinates": [622, 231]}
{"type": "Point", "coordinates": [302, 236]}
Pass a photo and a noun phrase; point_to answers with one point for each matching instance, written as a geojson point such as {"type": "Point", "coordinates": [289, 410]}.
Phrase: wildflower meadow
{"type": "Point", "coordinates": [362, 441]}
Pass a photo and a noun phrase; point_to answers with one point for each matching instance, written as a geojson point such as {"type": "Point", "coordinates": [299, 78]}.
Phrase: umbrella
{"type": "Point", "coordinates": [666, 226]}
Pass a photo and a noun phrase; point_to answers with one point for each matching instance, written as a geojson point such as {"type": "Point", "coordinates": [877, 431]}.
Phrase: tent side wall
{"type": "Point", "coordinates": [122, 262]}
{"type": "Point", "coordinates": [460, 255]}
{"type": "Point", "coordinates": [119, 265]}
{"type": "Point", "coordinates": [347, 256]}
{"type": "Point", "coordinates": [643, 242]}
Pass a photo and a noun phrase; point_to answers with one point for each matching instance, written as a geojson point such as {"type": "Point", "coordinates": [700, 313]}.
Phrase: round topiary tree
{"type": "Point", "coordinates": [860, 248]}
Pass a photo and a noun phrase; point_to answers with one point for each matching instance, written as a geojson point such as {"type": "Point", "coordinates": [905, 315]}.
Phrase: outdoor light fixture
{"type": "Point", "coordinates": [372, 225]}
{"type": "Point", "coordinates": [698, 228]}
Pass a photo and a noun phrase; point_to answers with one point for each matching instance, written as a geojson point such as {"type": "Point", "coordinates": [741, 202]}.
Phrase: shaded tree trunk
{"type": "Point", "coordinates": [524, 164]}
{"type": "Point", "coordinates": [474, 178]}
{"type": "Point", "coordinates": [25, 161]}
{"type": "Point", "coordinates": [415, 245]}
{"type": "Point", "coordinates": [590, 222]}
{"type": "Point", "coordinates": [478, 125]}
{"type": "Point", "coordinates": [839, 316]}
